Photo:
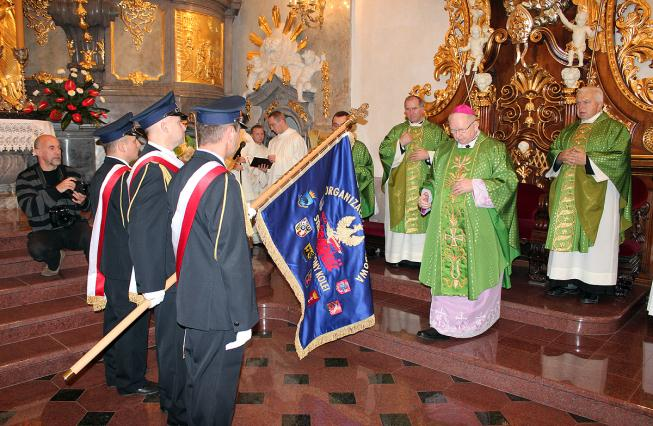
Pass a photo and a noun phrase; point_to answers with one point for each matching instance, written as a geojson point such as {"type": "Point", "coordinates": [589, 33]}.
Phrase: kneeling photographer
{"type": "Point", "coordinates": [52, 196]}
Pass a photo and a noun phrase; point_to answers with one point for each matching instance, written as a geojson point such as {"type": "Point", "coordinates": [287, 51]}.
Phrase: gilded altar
{"type": "Point", "coordinates": [538, 54]}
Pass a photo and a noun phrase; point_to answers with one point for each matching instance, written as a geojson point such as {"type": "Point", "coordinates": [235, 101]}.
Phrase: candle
{"type": "Point", "coordinates": [18, 14]}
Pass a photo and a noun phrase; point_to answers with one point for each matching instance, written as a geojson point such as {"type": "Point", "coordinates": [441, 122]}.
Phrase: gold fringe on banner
{"type": "Point", "coordinates": [296, 287]}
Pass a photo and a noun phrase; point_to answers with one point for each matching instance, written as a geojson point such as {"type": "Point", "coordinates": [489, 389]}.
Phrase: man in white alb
{"type": "Point", "coordinates": [285, 149]}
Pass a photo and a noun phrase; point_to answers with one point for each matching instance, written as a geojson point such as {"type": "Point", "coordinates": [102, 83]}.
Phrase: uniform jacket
{"type": "Point", "coordinates": [215, 294]}
{"type": "Point", "coordinates": [116, 262]}
{"type": "Point", "coordinates": [150, 245]}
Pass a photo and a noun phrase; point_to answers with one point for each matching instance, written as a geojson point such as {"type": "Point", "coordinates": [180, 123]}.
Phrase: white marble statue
{"type": "Point", "coordinates": [301, 79]}
{"type": "Point", "coordinates": [475, 45]}
{"type": "Point", "coordinates": [570, 77]}
{"type": "Point", "coordinates": [580, 31]}
{"type": "Point", "coordinates": [257, 73]}
{"type": "Point", "coordinates": [483, 81]}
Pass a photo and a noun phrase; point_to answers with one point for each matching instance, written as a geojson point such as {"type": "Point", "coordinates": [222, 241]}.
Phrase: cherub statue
{"type": "Point", "coordinates": [256, 73]}
{"type": "Point", "coordinates": [302, 82]}
{"type": "Point", "coordinates": [570, 77]}
{"type": "Point", "coordinates": [477, 38]}
{"type": "Point", "coordinates": [580, 31]}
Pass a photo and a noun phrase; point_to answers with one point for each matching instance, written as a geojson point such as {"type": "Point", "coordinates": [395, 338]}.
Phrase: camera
{"type": "Point", "coordinates": [80, 186]}
{"type": "Point", "coordinates": [60, 217]}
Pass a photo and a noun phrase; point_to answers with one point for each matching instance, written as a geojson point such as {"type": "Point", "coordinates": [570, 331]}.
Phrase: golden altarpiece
{"type": "Point", "coordinates": [531, 98]}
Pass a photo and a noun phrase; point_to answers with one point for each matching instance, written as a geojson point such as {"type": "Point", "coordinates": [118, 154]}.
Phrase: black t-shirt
{"type": "Point", "coordinates": [52, 178]}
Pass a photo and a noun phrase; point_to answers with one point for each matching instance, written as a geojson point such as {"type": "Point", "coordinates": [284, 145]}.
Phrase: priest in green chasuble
{"type": "Point", "coordinates": [406, 154]}
{"type": "Point", "coordinates": [589, 201]}
{"type": "Point", "coordinates": [472, 238]}
{"type": "Point", "coordinates": [363, 167]}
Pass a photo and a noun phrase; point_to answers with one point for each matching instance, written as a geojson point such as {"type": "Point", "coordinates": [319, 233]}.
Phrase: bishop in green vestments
{"type": "Point", "coordinates": [406, 154]}
{"type": "Point", "coordinates": [472, 236]}
{"type": "Point", "coordinates": [363, 167]}
{"type": "Point", "coordinates": [589, 200]}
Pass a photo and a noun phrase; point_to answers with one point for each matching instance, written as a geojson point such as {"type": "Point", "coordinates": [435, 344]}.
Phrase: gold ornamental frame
{"type": "Point", "coordinates": [138, 77]}
{"type": "Point", "coordinates": [448, 59]}
{"type": "Point", "coordinates": [195, 48]}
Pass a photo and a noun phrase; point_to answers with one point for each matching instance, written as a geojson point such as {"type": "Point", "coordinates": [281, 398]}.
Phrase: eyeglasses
{"type": "Point", "coordinates": [454, 131]}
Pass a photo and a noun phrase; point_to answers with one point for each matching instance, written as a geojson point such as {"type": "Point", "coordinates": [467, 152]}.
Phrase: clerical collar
{"type": "Point", "coordinates": [119, 159]}
{"type": "Point", "coordinates": [470, 144]}
{"type": "Point", "coordinates": [213, 154]}
{"type": "Point", "coordinates": [416, 124]}
{"type": "Point", "coordinates": [591, 119]}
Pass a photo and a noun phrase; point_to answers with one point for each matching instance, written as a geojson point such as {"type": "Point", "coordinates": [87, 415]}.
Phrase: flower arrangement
{"type": "Point", "coordinates": [73, 99]}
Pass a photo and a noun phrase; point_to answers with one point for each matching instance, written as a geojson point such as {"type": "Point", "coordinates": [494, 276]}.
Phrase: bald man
{"type": "Point", "coordinates": [46, 187]}
{"type": "Point", "coordinates": [589, 201]}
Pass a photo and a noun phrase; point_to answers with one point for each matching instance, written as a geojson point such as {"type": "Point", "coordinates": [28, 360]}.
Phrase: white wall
{"type": "Point", "coordinates": [393, 44]}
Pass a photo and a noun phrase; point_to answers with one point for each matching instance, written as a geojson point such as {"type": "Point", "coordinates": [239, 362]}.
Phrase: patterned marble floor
{"type": "Point", "coordinates": [337, 384]}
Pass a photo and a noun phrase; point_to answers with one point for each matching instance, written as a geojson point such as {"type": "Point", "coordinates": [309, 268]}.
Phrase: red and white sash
{"type": "Point", "coordinates": [189, 199]}
{"type": "Point", "coordinates": [159, 157]}
{"type": "Point", "coordinates": [95, 279]}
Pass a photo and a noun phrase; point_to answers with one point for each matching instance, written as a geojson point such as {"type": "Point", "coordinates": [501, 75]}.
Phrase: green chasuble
{"type": "Point", "coordinates": [467, 247]}
{"type": "Point", "coordinates": [575, 199]}
{"type": "Point", "coordinates": [405, 180]}
{"type": "Point", "coordinates": [364, 177]}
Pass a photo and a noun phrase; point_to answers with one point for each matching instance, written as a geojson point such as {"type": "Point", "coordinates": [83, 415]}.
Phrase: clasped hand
{"type": "Point", "coordinates": [574, 156]}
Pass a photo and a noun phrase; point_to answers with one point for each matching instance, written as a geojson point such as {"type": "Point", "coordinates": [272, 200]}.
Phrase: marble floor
{"type": "Point", "coordinates": [337, 384]}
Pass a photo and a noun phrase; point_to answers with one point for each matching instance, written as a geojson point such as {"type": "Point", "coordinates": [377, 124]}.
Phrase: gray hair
{"type": "Point", "coordinates": [595, 92]}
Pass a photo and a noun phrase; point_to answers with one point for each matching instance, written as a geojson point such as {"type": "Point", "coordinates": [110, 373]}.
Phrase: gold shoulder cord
{"type": "Point", "coordinates": [122, 214]}
{"type": "Point", "coordinates": [131, 201]}
{"type": "Point", "coordinates": [224, 203]}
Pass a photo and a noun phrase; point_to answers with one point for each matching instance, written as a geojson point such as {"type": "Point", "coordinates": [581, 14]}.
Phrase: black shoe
{"type": "Point", "coordinates": [410, 264]}
{"type": "Point", "coordinates": [431, 334]}
{"type": "Point", "coordinates": [148, 388]}
{"type": "Point", "coordinates": [590, 299]}
{"type": "Point", "coordinates": [392, 265]}
{"type": "Point", "coordinates": [562, 291]}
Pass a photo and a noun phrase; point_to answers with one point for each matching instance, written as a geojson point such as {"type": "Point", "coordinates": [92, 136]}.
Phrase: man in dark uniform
{"type": "Point", "coordinates": [216, 299]}
{"type": "Point", "coordinates": [149, 242]}
{"type": "Point", "coordinates": [110, 266]}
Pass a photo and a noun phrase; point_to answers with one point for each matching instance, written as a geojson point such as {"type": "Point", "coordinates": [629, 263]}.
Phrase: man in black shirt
{"type": "Point", "coordinates": [47, 194]}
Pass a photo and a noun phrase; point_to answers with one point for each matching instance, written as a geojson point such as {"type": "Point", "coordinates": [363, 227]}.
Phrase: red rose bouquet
{"type": "Point", "coordinates": [74, 98]}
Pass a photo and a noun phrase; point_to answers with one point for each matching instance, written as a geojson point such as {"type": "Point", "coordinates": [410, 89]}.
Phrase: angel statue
{"type": "Point", "coordinates": [580, 31]}
{"type": "Point", "coordinates": [475, 45]}
{"type": "Point", "coordinates": [302, 79]}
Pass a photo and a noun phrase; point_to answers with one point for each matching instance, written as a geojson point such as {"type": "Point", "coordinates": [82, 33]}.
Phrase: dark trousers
{"type": "Point", "coordinates": [169, 354]}
{"type": "Point", "coordinates": [212, 376]}
{"type": "Point", "coordinates": [125, 361]}
{"type": "Point", "coordinates": [44, 245]}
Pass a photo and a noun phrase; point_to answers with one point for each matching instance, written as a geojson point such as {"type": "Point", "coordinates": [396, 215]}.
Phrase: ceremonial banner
{"type": "Point", "coordinates": [313, 231]}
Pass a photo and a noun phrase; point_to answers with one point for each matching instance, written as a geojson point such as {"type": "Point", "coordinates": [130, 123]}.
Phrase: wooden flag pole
{"type": "Point", "coordinates": [354, 116]}
{"type": "Point", "coordinates": [112, 335]}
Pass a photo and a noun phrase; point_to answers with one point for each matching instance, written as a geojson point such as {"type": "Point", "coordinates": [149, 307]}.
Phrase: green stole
{"type": "Point", "coordinates": [576, 200]}
{"type": "Point", "coordinates": [404, 181]}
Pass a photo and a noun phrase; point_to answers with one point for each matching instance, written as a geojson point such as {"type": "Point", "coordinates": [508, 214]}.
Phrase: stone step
{"type": "Point", "coordinates": [32, 288]}
{"type": "Point", "coordinates": [41, 356]}
{"type": "Point", "coordinates": [43, 318]}
{"type": "Point", "coordinates": [18, 262]}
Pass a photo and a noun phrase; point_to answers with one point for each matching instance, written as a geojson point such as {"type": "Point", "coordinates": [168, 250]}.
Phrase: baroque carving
{"type": "Point", "coordinates": [544, 11]}
{"type": "Point", "coordinates": [199, 48]}
{"type": "Point", "coordinates": [298, 109]}
{"type": "Point", "coordinates": [448, 59]}
{"type": "Point", "coordinates": [631, 23]}
{"type": "Point", "coordinates": [138, 17]}
{"type": "Point", "coordinates": [519, 25]}
{"type": "Point", "coordinates": [38, 19]}
{"type": "Point", "coordinates": [529, 110]}
{"type": "Point", "coordinates": [647, 139]}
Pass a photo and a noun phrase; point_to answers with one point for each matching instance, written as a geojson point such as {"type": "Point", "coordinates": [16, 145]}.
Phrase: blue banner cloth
{"type": "Point", "coordinates": [313, 231]}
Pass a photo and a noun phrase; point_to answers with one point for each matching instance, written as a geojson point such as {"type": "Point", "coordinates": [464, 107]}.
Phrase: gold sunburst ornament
{"type": "Point", "coordinates": [279, 50]}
